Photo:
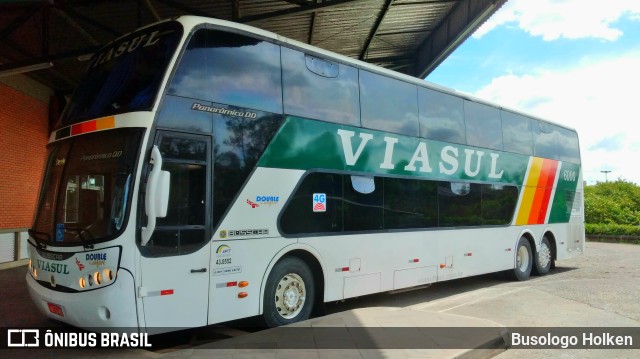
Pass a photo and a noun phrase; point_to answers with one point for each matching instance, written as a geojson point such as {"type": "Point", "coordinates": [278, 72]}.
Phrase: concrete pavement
{"type": "Point", "coordinates": [595, 290]}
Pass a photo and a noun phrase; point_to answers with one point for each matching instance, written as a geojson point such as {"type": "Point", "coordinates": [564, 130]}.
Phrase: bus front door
{"type": "Point", "coordinates": [175, 262]}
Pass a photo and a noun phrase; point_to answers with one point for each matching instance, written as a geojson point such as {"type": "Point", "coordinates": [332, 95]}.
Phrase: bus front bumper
{"type": "Point", "coordinates": [97, 310]}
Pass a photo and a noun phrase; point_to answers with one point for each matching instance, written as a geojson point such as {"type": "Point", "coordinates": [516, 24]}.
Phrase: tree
{"type": "Point", "coordinates": [612, 203]}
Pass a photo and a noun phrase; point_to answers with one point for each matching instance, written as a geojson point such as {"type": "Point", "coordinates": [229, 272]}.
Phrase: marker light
{"type": "Point", "coordinates": [242, 295]}
{"type": "Point", "coordinates": [35, 273]}
{"type": "Point", "coordinates": [82, 282]}
{"type": "Point", "coordinates": [30, 264]}
{"type": "Point", "coordinates": [243, 284]}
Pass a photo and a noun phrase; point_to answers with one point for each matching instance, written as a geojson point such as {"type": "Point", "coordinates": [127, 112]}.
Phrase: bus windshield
{"type": "Point", "coordinates": [125, 75]}
{"type": "Point", "coordinates": [86, 190]}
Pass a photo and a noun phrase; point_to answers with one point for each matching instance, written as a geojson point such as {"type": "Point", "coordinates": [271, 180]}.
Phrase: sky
{"type": "Point", "coordinates": [573, 62]}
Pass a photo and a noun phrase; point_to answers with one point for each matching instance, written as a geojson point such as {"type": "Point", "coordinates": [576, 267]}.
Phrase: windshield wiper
{"type": "Point", "coordinates": [34, 234]}
{"type": "Point", "coordinates": [79, 231]}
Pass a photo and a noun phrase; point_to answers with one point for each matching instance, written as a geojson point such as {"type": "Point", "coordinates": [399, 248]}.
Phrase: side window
{"type": "Point", "coordinates": [388, 104]}
{"type": "Point", "coordinates": [319, 89]}
{"type": "Point", "coordinates": [459, 204]}
{"type": "Point", "coordinates": [516, 133]}
{"type": "Point", "coordinates": [230, 69]}
{"type": "Point", "coordinates": [498, 204]}
{"type": "Point", "coordinates": [410, 203]}
{"type": "Point", "coordinates": [483, 125]}
{"type": "Point", "coordinates": [316, 206]}
{"type": "Point", "coordinates": [555, 142]}
{"type": "Point", "coordinates": [362, 211]}
{"type": "Point", "coordinates": [239, 143]}
{"type": "Point", "coordinates": [183, 230]}
{"type": "Point", "coordinates": [441, 116]}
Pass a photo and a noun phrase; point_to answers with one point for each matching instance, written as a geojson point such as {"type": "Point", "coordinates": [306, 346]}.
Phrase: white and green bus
{"type": "Point", "coordinates": [206, 171]}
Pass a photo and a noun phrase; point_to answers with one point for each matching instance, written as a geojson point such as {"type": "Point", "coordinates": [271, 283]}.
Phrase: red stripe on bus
{"type": "Point", "coordinates": [166, 292]}
{"type": "Point", "coordinates": [232, 284]}
{"type": "Point", "coordinates": [553, 169]}
{"type": "Point", "coordinates": [83, 127]}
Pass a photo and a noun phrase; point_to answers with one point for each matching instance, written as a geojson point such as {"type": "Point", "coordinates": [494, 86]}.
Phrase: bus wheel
{"type": "Point", "coordinates": [524, 261]}
{"type": "Point", "coordinates": [289, 293]}
{"type": "Point", "coordinates": [544, 258]}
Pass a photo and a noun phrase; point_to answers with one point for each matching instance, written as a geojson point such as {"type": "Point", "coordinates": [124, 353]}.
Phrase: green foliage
{"type": "Point", "coordinates": [612, 203]}
{"type": "Point", "coordinates": [612, 229]}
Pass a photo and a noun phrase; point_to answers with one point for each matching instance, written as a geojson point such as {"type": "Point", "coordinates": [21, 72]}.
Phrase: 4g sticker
{"type": "Point", "coordinates": [319, 202]}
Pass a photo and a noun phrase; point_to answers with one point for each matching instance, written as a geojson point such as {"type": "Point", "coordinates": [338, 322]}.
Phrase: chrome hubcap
{"type": "Point", "coordinates": [544, 256]}
{"type": "Point", "coordinates": [290, 295]}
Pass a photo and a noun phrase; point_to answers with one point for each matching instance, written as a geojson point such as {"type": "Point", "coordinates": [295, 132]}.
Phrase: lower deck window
{"type": "Point", "coordinates": [328, 203]}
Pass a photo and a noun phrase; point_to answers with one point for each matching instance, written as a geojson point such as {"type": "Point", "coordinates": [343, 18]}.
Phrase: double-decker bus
{"type": "Point", "coordinates": [206, 171]}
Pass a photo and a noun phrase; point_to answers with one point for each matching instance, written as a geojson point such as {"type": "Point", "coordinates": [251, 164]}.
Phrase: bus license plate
{"type": "Point", "coordinates": [55, 309]}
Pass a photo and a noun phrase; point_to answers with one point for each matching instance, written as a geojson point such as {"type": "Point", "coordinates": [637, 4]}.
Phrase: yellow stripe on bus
{"type": "Point", "coordinates": [529, 191]}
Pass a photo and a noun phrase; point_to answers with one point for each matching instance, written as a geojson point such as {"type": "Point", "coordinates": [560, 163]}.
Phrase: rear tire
{"type": "Point", "coordinates": [524, 261]}
{"type": "Point", "coordinates": [544, 258]}
{"type": "Point", "coordinates": [289, 293]}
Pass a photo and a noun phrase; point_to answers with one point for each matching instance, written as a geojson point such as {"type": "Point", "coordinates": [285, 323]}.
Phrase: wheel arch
{"type": "Point", "coordinates": [311, 257]}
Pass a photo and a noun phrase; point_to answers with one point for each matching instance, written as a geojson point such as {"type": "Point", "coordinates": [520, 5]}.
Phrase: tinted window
{"type": "Point", "coordinates": [483, 125]}
{"type": "Point", "coordinates": [459, 204]}
{"type": "Point", "coordinates": [388, 104]}
{"type": "Point", "coordinates": [177, 114]}
{"type": "Point", "coordinates": [441, 116]}
{"type": "Point", "coordinates": [300, 216]}
{"type": "Point", "coordinates": [230, 69]}
{"type": "Point", "coordinates": [239, 143]}
{"type": "Point", "coordinates": [555, 142]}
{"type": "Point", "coordinates": [516, 133]}
{"type": "Point", "coordinates": [400, 204]}
{"type": "Point", "coordinates": [319, 89]}
{"type": "Point", "coordinates": [125, 75]}
{"type": "Point", "coordinates": [498, 204]}
{"type": "Point", "coordinates": [362, 212]}
{"type": "Point", "coordinates": [183, 229]}
{"type": "Point", "coordinates": [410, 203]}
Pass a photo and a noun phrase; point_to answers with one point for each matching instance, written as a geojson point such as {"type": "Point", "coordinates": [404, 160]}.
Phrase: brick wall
{"type": "Point", "coordinates": [23, 137]}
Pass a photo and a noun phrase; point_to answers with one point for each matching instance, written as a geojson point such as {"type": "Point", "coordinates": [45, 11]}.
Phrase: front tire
{"type": "Point", "coordinates": [289, 294]}
{"type": "Point", "coordinates": [544, 258]}
{"type": "Point", "coordinates": [524, 261]}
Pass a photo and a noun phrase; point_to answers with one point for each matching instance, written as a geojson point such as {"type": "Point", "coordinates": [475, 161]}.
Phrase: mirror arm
{"type": "Point", "coordinates": [150, 197]}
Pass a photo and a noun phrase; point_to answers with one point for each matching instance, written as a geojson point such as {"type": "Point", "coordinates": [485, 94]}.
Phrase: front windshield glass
{"type": "Point", "coordinates": [87, 187]}
{"type": "Point", "coordinates": [124, 76]}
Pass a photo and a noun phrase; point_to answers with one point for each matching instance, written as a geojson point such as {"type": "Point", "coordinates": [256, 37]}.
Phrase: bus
{"type": "Point", "coordinates": [206, 171]}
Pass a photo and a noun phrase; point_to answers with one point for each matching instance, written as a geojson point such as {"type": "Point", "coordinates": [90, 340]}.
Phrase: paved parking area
{"type": "Point", "coordinates": [598, 289]}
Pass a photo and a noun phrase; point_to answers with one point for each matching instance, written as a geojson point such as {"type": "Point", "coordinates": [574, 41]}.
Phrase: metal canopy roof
{"type": "Point", "coordinates": [51, 40]}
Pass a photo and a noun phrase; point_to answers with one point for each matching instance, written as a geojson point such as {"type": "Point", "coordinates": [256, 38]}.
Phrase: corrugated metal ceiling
{"type": "Point", "coordinates": [409, 36]}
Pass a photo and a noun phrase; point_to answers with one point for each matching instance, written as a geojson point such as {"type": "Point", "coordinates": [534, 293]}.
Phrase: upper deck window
{"type": "Point", "coordinates": [320, 89]}
{"type": "Point", "coordinates": [124, 76]}
{"type": "Point", "coordinates": [388, 104]}
{"type": "Point", "coordinates": [230, 69]}
{"type": "Point", "coordinates": [441, 116]}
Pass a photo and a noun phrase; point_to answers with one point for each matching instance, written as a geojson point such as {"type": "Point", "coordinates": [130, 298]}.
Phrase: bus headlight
{"type": "Point", "coordinates": [107, 274]}
{"type": "Point", "coordinates": [82, 282]}
{"type": "Point", "coordinates": [97, 277]}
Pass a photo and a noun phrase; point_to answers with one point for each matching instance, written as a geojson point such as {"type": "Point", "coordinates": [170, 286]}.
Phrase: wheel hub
{"type": "Point", "coordinates": [544, 256]}
{"type": "Point", "coordinates": [290, 295]}
{"type": "Point", "coordinates": [522, 261]}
